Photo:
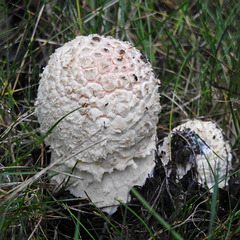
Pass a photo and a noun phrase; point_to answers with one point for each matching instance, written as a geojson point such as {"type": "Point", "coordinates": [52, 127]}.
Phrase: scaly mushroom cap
{"type": "Point", "coordinates": [114, 86]}
{"type": "Point", "coordinates": [198, 146]}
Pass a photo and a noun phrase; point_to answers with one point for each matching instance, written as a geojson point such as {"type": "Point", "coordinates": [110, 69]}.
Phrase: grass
{"type": "Point", "coordinates": [193, 47]}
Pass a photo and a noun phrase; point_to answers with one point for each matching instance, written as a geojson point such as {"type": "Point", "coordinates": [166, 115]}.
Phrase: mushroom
{"type": "Point", "coordinates": [113, 94]}
{"type": "Point", "coordinates": [197, 147]}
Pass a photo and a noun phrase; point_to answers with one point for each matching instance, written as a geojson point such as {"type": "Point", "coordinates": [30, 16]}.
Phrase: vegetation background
{"type": "Point", "coordinates": [194, 48]}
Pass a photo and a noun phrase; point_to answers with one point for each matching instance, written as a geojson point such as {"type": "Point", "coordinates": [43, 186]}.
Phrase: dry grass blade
{"type": "Point", "coordinates": [30, 181]}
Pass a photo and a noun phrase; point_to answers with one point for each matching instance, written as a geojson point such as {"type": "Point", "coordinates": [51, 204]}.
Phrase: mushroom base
{"type": "Point", "coordinates": [113, 188]}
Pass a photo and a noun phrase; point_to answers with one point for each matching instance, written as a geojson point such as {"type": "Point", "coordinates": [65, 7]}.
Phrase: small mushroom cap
{"type": "Point", "coordinates": [198, 146]}
{"type": "Point", "coordinates": [114, 93]}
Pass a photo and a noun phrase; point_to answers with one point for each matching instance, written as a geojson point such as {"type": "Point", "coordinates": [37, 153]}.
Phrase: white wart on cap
{"type": "Point", "coordinates": [114, 86]}
{"type": "Point", "coordinates": [197, 146]}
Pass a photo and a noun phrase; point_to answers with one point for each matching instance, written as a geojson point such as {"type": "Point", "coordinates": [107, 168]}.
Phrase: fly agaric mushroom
{"type": "Point", "coordinates": [197, 146]}
{"type": "Point", "coordinates": [114, 87]}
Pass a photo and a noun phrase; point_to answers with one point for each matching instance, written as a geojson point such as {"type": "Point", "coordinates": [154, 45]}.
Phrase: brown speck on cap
{"type": "Point", "coordinates": [135, 77]}
{"type": "Point", "coordinates": [144, 58]}
{"type": "Point", "coordinates": [122, 51]}
{"type": "Point", "coordinates": [96, 39]}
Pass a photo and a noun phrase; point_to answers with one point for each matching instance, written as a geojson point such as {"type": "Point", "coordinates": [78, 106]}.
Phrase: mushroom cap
{"type": "Point", "coordinates": [198, 146]}
{"type": "Point", "coordinates": [113, 90]}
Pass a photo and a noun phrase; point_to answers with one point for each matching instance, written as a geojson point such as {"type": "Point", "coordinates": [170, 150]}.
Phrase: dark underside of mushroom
{"type": "Point", "coordinates": [171, 200]}
{"type": "Point", "coordinates": [184, 148]}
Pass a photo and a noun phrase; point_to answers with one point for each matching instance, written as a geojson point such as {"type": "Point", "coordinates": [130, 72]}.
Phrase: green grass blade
{"type": "Point", "coordinates": [78, 222]}
{"type": "Point", "coordinates": [142, 221]}
{"type": "Point", "coordinates": [156, 215]}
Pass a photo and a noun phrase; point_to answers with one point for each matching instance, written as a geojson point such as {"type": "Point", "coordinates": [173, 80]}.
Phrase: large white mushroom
{"type": "Point", "coordinates": [114, 87]}
{"type": "Point", "coordinates": [197, 146]}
